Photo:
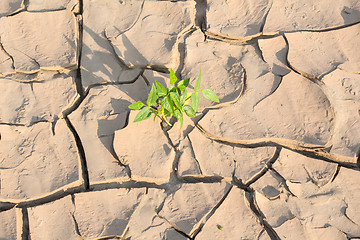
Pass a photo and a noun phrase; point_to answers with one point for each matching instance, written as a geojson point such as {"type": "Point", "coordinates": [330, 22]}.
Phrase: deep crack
{"type": "Point", "coordinates": [23, 232]}
{"type": "Point", "coordinates": [250, 198]}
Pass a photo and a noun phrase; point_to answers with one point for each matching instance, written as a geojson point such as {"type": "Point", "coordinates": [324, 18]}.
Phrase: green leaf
{"type": "Point", "coordinates": [167, 122]}
{"type": "Point", "coordinates": [195, 100]}
{"type": "Point", "coordinates": [197, 83]}
{"type": "Point", "coordinates": [172, 89]}
{"type": "Point", "coordinates": [210, 95]}
{"type": "Point", "coordinates": [153, 110]}
{"type": "Point", "coordinates": [182, 85]}
{"type": "Point", "coordinates": [161, 90]}
{"type": "Point", "coordinates": [152, 96]}
{"type": "Point", "coordinates": [185, 98]}
{"type": "Point", "coordinates": [167, 113]}
{"type": "Point", "coordinates": [168, 104]}
{"type": "Point", "coordinates": [189, 111]}
{"type": "Point", "coordinates": [162, 112]}
{"type": "Point", "coordinates": [173, 78]}
{"type": "Point", "coordinates": [219, 226]}
{"type": "Point", "coordinates": [179, 115]}
{"type": "Point", "coordinates": [156, 114]}
{"type": "Point", "coordinates": [176, 99]}
{"type": "Point", "coordinates": [144, 114]}
{"type": "Point", "coordinates": [136, 106]}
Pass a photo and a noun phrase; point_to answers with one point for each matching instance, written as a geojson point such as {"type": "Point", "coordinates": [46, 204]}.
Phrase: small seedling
{"type": "Point", "coordinates": [172, 101]}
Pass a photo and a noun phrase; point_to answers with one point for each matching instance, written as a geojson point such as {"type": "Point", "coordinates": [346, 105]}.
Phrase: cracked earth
{"type": "Point", "coordinates": [277, 158]}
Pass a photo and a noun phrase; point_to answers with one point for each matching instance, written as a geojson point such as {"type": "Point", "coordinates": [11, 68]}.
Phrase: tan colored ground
{"type": "Point", "coordinates": [278, 158]}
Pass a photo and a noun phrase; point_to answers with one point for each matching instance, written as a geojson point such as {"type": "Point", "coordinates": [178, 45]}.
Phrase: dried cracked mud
{"type": "Point", "coordinates": [277, 158]}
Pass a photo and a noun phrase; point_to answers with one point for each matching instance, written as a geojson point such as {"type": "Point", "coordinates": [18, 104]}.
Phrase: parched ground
{"type": "Point", "coordinates": [278, 158]}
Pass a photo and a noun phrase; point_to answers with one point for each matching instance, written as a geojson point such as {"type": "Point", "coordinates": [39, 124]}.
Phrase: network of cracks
{"type": "Point", "coordinates": [227, 172]}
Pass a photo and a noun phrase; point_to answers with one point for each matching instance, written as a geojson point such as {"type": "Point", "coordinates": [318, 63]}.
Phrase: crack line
{"type": "Point", "coordinates": [23, 8]}
{"type": "Point", "coordinates": [306, 149]}
{"type": "Point", "coordinates": [136, 20]}
{"type": "Point", "coordinates": [178, 53]}
{"type": "Point", "coordinates": [198, 227]}
{"type": "Point", "coordinates": [176, 228]}
{"type": "Point", "coordinates": [239, 40]}
{"type": "Point", "coordinates": [254, 208]}
{"type": "Point", "coordinates": [309, 76]}
{"type": "Point", "coordinates": [265, 17]}
{"type": "Point", "coordinates": [154, 67]}
{"type": "Point", "coordinates": [56, 69]}
{"type": "Point", "coordinates": [7, 54]}
{"type": "Point", "coordinates": [194, 155]}
{"type": "Point", "coordinates": [265, 169]}
{"type": "Point", "coordinates": [83, 170]}
{"type": "Point", "coordinates": [7, 59]}
{"type": "Point", "coordinates": [22, 224]}
{"type": "Point", "coordinates": [79, 46]}
{"type": "Point", "coordinates": [200, 18]}
{"type": "Point", "coordinates": [226, 104]}
{"type": "Point", "coordinates": [261, 35]}
{"type": "Point", "coordinates": [316, 80]}
{"type": "Point", "coordinates": [108, 237]}
{"type": "Point", "coordinates": [76, 225]}
{"type": "Point", "coordinates": [78, 187]}
{"type": "Point", "coordinates": [271, 93]}
{"type": "Point", "coordinates": [279, 177]}
{"type": "Point", "coordinates": [78, 99]}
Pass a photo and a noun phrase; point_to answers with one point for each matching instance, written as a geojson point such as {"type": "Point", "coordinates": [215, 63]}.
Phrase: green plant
{"type": "Point", "coordinates": [172, 101]}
